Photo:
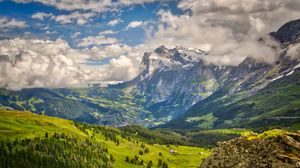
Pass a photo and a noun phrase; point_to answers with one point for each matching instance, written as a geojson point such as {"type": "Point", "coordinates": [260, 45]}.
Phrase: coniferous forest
{"type": "Point", "coordinates": [58, 150]}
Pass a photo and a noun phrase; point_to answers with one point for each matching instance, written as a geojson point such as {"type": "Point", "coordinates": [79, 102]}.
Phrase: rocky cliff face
{"type": "Point", "coordinates": [276, 149]}
{"type": "Point", "coordinates": [252, 92]}
{"type": "Point", "coordinates": [174, 79]}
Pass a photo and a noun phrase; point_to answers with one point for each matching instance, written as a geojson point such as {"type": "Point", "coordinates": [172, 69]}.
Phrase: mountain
{"type": "Point", "coordinates": [288, 33]}
{"type": "Point", "coordinates": [170, 81]}
{"type": "Point", "coordinates": [103, 106]}
{"type": "Point", "coordinates": [174, 79]}
{"type": "Point", "coordinates": [176, 87]}
{"type": "Point", "coordinates": [255, 94]}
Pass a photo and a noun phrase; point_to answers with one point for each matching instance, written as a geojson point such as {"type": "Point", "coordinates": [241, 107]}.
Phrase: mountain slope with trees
{"type": "Point", "coordinates": [39, 141]}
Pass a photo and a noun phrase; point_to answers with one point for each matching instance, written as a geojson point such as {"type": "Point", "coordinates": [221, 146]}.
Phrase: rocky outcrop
{"type": "Point", "coordinates": [274, 149]}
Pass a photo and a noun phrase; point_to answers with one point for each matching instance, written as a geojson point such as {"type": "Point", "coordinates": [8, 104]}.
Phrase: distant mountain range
{"type": "Point", "coordinates": [177, 89]}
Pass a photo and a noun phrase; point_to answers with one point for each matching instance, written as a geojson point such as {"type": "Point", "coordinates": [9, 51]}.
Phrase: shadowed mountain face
{"type": "Point", "coordinates": [254, 95]}
{"type": "Point", "coordinates": [174, 79]}
{"type": "Point", "coordinates": [177, 83]}
{"type": "Point", "coordinates": [288, 33]}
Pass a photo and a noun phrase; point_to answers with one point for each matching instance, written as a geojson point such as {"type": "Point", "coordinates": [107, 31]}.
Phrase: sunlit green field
{"type": "Point", "coordinates": [15, 124]}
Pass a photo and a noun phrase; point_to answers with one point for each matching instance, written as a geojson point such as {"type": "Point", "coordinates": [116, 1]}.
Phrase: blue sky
{"type": "Point", "coordinates": [63, 43]}
{"type": "Point", "coordinates": [125, 14]}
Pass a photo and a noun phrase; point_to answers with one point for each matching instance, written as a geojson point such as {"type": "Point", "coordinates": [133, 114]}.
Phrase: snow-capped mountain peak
{"type": "Point", "coordinates": [164, 59]}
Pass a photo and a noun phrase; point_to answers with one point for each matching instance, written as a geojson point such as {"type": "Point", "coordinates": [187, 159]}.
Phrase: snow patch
{"type": "Point", "coordinates": [290, 73]}
{"type": "Point", "coordinates": [276, 78]}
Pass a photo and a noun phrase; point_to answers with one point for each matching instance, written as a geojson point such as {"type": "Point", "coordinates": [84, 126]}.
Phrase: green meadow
{"type": "Point", "coordinates": [20, 125]}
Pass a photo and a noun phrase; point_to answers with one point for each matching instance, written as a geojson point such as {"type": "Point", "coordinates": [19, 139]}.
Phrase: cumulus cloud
{"type": "Point", "coordinates": [134, 24]}
{"type": "Point", "coordinates": [40, 63]}
{"type": "Point", "coordinates": [113, 50]}
{"type": "Point", "coordinates": [41, 15]}
{"type": "Point", "coordinates": [74, 17]}
{"type": "Point", "coordinates": [6, 24]}
{"type": "Point", "coordinates": [227, 30]}
{"type": "Point", "coordinates": [114, 22]}
{"type": "Point", "coordinates": [96, 40]}
{"type": "Point", "coordinates": [89, 5]}
{"type": "Point", "coordinates": [121, 69]}
{"type": "Point", "coordinates": [30, 63]}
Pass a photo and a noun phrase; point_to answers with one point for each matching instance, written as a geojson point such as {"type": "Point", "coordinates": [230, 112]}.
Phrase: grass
{"type": "Point", "coordinates": [16, 124]}
{"type": "Point", "coordinates": [269, 107]}
{"type": "Point", "coordinates": [206, 121]}
{"type": "Point", "coordinates": [267, 134]}
{"type": "Point", "coordinates": [238, 131]}
{"type": "Point", "coordinates": [295, 127]}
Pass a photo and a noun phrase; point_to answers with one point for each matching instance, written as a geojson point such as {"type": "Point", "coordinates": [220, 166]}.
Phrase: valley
{"type": "Point", "coordinates": [178, 86]}
{"type": "Point", "coordinates": [147, 83]}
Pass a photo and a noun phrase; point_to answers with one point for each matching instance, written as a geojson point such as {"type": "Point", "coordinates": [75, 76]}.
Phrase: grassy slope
{"type": "Point", "coordinates": [275, 105]}
{"type": "Point", "coordinates": [15, 124]}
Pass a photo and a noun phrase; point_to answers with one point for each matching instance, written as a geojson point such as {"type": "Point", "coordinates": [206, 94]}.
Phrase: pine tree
{"type": "Point", "coordinates": [146, 150]}
{"type": "Point", "coordinates": [159, 163]}
{"type": "Point", "coordinates": [150, 164]}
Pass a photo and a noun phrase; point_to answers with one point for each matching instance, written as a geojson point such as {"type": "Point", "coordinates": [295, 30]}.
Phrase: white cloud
{"type": "Point", "coordinates": [114, 22]}
{"type": "Point", "coordinates": [113, 50]}
{"type": "Point", "coordinates": [6, 24]}
{"type": "Point", "coordinates": [98, 6]}
{"type": "Point", "coordinates": [294, 50]}
{"type": "Point", "coordinates": [51, 32]}
{"type": "Point", "coordinates": [134, 24]}
{"type": "Point", "coordinates": [96, 40]}
{"type": "Point", "coordinates": [107, 32]}
{"type": "Point", "coordinates": [121, 69]}
{"type": "Point", "coordinates": [43, 63]}
{"type": "Point", "coordinates": [76, 34]}
{"type": "Point", "coordinates": [75, 17]}
{"type": "Point", "coordinates": [40, 63]}
{"type": "Point", "coordinates": [41, 15]}
{"type": "Point", "coordinates": [227, 30]}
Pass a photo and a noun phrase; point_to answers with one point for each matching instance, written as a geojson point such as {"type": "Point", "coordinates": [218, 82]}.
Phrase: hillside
{"type": "Point", "coordinates": [22, 132]}
{"type": "Point", "coordinates": [95, 105]}
{"type": "Point", "coordinates": [275, 148]}
{"type": "Point", "coordinates": [275, 105]}
{"type": "Point", "coordinates": [256, 94]}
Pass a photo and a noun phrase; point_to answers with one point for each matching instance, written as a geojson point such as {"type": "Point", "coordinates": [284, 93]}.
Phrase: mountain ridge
{"type": "Point", "coordinates": [171, 83]}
